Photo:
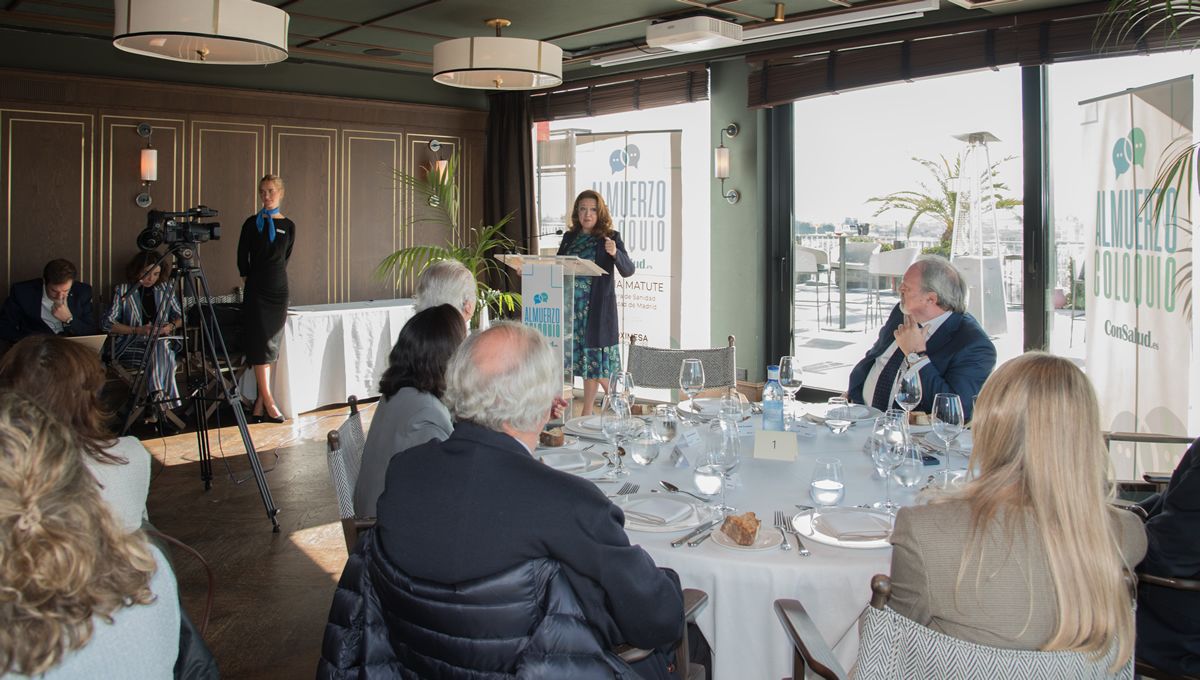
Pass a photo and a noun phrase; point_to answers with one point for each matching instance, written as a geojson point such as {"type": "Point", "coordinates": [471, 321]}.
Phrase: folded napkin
{"type": "Point", "coordinates": [859, 526]}
{"type": "Point", "coordinates": [566, 461]}
{"type": "Point", "coordinates": [666, 510]}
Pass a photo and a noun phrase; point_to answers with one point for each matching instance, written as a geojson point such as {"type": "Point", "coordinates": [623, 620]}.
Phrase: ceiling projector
{"type": "Point", "coordinates": [693, 34]}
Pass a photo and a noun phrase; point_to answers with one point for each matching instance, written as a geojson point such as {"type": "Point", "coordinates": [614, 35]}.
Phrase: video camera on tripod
{"type": "Point", "coordinates": [178, 227]}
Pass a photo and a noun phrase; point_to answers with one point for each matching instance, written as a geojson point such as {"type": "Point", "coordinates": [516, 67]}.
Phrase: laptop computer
{"type": "Point", "coordinates": [95, 342]}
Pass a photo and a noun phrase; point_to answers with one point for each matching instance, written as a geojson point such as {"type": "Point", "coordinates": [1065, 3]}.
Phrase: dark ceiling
{"type": "Point", "coordinates": [397, 36]}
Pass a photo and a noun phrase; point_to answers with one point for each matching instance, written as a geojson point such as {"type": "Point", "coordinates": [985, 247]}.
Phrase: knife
{"type": "Point", "coordinates": [703, 538]}
{"type": "Point", "coordinates": [695, 532]}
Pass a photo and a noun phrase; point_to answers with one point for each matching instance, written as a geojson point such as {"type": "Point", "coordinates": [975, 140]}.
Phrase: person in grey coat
{"type": "Point", "coordinates": [410, 411]}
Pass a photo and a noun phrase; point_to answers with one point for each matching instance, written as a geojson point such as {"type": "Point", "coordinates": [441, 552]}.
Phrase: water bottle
{"type": "Point", "coordinates": [773, 401]}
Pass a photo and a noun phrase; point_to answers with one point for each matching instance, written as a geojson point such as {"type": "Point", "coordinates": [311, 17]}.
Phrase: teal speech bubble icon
{"type": "Point", "coordinates": [634, 154]}
{"type": "Point", "coordinates": [616, 160]}
{"type": "Point", "coordinates": [1121, 152]}
{"type": "Point", "coordinates": [1137, 139]}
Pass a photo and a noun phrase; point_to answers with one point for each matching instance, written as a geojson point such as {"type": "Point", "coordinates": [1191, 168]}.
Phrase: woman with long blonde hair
{"type": "Point", "coordinates": [80, 597]}
{"type": "Point", "coordinates": [1029, 554]}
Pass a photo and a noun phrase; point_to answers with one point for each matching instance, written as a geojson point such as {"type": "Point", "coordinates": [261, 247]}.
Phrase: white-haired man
{"type": "Point", "coordinates": [478, 503]}
{"type": "Point", "coordinates": [930, 332]}
{"type": "Point", "coordinates": [447, 282]}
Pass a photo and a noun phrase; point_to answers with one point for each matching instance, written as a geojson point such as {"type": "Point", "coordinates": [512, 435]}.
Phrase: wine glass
{"type": "Point", "coordinates": [621, 385]}
{"type": "Point", "coordinates": [791, 379]}
{"type": "Point", "coordinates": [911, 468]}
{"type": "Point", "coordinates": [947, 420]}
{"type": "Point", "coordinates": [691, 379]}
{"type": "Point", "coordinates": [889, 453]}
{"type": "Point", "coordinates": [837, 415]}
{"type": "Point", "coordinates": [908, 395]}
{"type": "Point", "coordinates": [827, 487]}
{"type": "Point", "coordinates": [712, 474]}
{"type": "Point", "coordinates": [616, 422]}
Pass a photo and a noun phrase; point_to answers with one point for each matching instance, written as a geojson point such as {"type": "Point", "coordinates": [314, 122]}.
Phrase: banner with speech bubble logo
{"type": "Point", "coordinates": [1139, 336]}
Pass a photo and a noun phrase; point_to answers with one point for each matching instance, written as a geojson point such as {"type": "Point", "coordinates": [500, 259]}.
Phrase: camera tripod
{"type": "Point", "coordinates": [190, 283]}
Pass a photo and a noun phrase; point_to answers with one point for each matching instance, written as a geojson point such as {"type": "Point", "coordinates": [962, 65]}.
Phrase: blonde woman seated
{"type": "Point", "coordinates": [65, 378]}
{"type": "Point", "coordinates": [81, 598]}
{"type": "Point", "coordinates": [1029, 554]}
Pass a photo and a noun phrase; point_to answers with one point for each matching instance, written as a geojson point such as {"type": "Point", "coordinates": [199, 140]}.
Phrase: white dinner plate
{"type": "Point", "coordinates": [572, 460]}
{"type": "Point", "coordinates": [695, 514]}
{"type": "Point", "coordinates": [767, 538]}
{"type": "Point", "coordinates": [707, 408]}
{"type": "Point", "coordinates": [589, 426]}
{"type": "Point", "coordinates": [804, 523]}
{"type": "Point", "coordinates": [859, 413]}
{"type": "Point", "coordinates": [568, 440]}
{"type": "Point", "coordinates": [962, 443]}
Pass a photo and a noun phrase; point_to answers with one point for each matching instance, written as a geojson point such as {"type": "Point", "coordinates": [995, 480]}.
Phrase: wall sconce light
{"type": "Point", "coordinates": [438, 168]}
{"type": "Point", "coordinates": [721, 164]}
{"type": "Point", "coordinates": [148, 166]}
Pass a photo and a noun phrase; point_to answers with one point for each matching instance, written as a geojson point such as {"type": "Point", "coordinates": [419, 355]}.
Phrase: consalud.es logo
{"type": "Point", "coordinates": [1129, 151]}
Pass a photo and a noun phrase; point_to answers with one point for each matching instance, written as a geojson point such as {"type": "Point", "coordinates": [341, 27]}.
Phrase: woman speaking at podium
{"type": "Point", "coordinates": [597, 352]}
{"type": "Point", "coordinates": [263, 251]}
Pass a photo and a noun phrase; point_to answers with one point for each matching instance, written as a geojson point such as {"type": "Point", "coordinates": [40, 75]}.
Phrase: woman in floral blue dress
{"type": "Point", "coordinates": [597, 352]}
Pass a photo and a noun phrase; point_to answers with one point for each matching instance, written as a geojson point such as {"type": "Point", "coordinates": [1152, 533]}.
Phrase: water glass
{"type": "Point", "coordinates": [665, 424]}
{"type": "Point", "coordinates": [691, 379]}
{"type": "Point", "coordinates": [644, 448]}
{"type": "Point", "coordinates": [721, 456]}
{"type": "Point", "coordinates": [827, 487]}
{"type": "Point", "coordinates": [911, 468]}
{"type": "Point", "coordinates": [837, 415]}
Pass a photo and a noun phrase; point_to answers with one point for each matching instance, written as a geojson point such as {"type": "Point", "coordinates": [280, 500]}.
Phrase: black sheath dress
{"type": "Point", "coordinates": [264, 264]}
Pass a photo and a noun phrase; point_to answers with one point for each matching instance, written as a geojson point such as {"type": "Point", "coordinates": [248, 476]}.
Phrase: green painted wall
{"type": "Point", "coordinates": [738, 246]}
{"type": "Point", "coordinates": [94, 56]}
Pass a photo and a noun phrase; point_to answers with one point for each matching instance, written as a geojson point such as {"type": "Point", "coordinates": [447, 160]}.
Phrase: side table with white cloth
{"type": "Point", "coordinates": [331, 351]}
{"type": "Point", "coordinates": [833, 582]}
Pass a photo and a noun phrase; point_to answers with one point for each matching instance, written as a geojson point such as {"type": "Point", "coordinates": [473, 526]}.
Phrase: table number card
{"type": "Point", "coordinates": [771, 445]}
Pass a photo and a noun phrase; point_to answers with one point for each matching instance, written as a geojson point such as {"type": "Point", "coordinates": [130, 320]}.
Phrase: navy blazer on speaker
{"type": "Point", "coordinates": [961, 357]}
{"type": "Point", "coordinates": [22, 313]}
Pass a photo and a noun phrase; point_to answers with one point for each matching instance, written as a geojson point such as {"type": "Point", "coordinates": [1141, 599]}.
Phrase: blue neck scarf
{"type": "Point", "coordinates": [258, 220]}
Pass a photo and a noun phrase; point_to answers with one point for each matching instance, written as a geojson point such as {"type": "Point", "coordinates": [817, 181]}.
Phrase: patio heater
{"type": "Point", "coordinates": [976, 245]}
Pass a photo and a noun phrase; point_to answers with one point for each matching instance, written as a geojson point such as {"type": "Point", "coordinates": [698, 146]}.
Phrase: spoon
{"type": "Point", "coordinates": [674, 489]}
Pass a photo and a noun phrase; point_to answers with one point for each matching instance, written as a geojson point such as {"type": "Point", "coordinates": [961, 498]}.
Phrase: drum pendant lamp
{"type": "Point", "coordinates": [236, 32]}
{"type": "Point", "coordinates": [497, 63]}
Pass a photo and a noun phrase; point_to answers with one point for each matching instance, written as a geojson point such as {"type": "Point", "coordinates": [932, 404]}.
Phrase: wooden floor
{"type": "Point", "coordinates": [273, 591]}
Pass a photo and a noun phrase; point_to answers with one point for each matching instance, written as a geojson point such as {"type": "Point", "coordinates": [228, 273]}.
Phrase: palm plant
{"type": "Point", "coordinates": [941, 200]}
{"type": "Point", "coordinates": [472, 247]}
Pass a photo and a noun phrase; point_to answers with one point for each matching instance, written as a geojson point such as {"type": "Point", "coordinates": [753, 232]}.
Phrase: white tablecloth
{"type": "Point", "coordinates": [834, 584]}
{"type": "Point", "coordinates": [331, 351]}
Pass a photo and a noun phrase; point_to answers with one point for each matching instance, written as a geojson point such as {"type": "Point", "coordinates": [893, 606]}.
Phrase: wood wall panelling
{"type": "Point", "coordinates": [227, 160]}
{"type": "Point", "coordinates": [306, 159]}
{"type": "Point", "coordinates": [48, 186]}
{"type": "Point", "coordinates": [371, 216]}
{"type": "Point", "coordinates": [121, 220]}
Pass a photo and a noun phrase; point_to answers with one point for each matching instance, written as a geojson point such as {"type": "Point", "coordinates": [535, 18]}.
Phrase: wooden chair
{"type": "Point", "coordinates": [344, 455]}
{"type": "Point", "coordinates": [909, 649]}
{"type": "Point", "coordinates": [693, 601]}
{"type": "Point", "coordinates": [656, 368]}
{"type": "Point", "coordinates": [1152, 482]}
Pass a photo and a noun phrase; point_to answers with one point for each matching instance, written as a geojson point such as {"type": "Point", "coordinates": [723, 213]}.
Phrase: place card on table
{"type": "Point", "coordinates": [772, 445]}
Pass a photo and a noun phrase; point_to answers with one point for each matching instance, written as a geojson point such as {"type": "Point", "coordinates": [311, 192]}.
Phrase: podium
{"type": "Point", "coordinates": [548, 303]}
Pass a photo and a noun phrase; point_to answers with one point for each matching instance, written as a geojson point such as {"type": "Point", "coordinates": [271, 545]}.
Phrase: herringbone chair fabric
{"type": "Point", "coordinates": [657, 368]}
{"type": "Point", "coordinates": [345, 459]}
{"type": "Point", "coordinates": [893, 646]}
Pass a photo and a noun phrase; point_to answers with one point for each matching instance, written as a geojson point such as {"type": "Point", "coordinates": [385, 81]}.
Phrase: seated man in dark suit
{"type": "Point", "coordinates": [478, 505]}
{"type": "Point", "coordinates": [1168, 620]}
{"type": "Point", "coordinates": [54, 304]}
{"type": "Point", "coordinates": [929, 332]}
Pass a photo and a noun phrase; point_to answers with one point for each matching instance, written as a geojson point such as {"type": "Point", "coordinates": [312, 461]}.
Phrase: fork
{"type": "Point", "coordinates": [791, 529]}
{"type": "Point", "coordinates": [628, 488]}
{"type": "Point", "coordinates": [779, 524]}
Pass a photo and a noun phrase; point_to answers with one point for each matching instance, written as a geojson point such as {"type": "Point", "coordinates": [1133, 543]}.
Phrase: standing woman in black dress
{"type": "Point", "coordinates": [263, 251]}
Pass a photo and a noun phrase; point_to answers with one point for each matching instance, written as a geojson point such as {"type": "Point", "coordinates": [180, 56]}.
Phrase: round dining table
{"type": "Point", "coordinates": [832, 582]}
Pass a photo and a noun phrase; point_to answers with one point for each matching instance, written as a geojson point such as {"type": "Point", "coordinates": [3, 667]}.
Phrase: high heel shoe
{"type": "Point", "coordinates": [267, 418]}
